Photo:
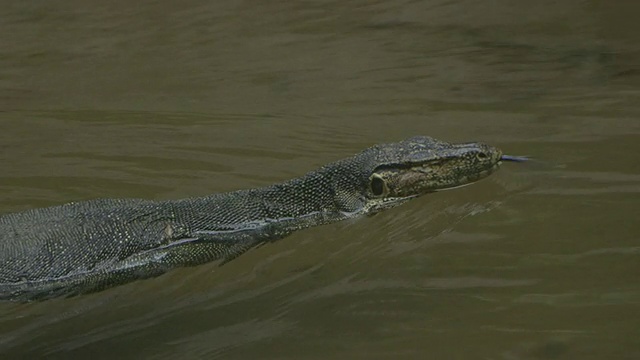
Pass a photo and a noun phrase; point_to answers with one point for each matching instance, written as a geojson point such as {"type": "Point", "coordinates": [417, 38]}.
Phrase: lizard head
{"type": "Point", "coordinates": [400, 171]}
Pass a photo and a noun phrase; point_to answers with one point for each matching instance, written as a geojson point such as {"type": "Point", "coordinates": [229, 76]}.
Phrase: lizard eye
{"type": "Point", "coordinates": [378, 186]}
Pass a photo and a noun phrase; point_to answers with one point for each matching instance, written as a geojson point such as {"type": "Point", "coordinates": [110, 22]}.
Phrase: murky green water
{"type": "Point", "coordinates": [153, 100]}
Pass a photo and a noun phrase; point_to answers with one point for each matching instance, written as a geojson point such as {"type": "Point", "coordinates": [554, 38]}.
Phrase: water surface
{"type": "Point", "coordinates": [159, 101]}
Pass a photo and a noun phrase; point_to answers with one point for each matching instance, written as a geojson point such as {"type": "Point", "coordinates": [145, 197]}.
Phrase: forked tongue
{"type": "Point", "coordinates": [514, 158]}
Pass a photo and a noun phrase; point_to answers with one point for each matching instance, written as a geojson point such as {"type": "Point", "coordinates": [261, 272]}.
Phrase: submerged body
{"type": "Point", "coordinates": [92, 245]}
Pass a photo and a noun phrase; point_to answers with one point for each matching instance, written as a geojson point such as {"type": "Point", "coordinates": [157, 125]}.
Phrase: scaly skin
{"type": "Point", "coordinates": [92, 245]}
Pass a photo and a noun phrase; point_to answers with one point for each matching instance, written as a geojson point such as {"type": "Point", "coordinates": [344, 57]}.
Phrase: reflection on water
{"type": "Point", "coordinates": [154, 101]}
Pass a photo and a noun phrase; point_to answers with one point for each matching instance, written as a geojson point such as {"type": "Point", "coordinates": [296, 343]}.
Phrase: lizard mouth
{"type": "Point", "coordinates": [472, 178]}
